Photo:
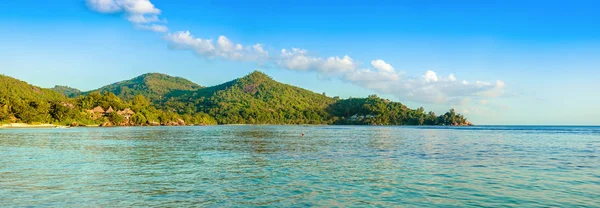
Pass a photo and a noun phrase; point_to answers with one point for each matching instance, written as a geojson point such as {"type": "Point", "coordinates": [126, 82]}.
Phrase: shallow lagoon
{"type": "Point", "coordinates": [275, 166]}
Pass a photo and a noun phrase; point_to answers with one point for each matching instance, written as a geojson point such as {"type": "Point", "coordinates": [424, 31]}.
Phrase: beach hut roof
{"type": "Point", "coordinates": [126, 111]}
{"type": "Point", "coordinates": [110, 110]}
{"type": "Point", "coordinates": [97, 109]}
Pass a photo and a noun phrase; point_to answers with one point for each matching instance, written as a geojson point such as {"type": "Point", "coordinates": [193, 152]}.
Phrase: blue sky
{"type": "Point", "coordinates": [546, 54]}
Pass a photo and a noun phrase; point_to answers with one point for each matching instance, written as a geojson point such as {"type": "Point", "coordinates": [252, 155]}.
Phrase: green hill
{"type": "Point", "coordinates": [153, 86]}
{"type": "Point", "coordinates": [256, 99]}
{"type": "Point", "coordinates": [66, 90]}
{"type": "Point", "coordinates": [20, 101]}
{"type": "Point", "coordinates": [12, 89]}
{"type": "Point", "coordinates": [378, 111]}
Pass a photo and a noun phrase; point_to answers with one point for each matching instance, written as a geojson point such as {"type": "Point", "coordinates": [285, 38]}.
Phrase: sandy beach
{"type": "Point", "coordinates": [24, 125]}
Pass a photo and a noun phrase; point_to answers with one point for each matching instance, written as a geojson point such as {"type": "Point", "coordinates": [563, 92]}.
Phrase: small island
{"type": "Point", "coordinates": [155, 99]}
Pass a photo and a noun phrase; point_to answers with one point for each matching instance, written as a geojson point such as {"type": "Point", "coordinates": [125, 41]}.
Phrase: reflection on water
{"type": "Point", "coordinates": [276, 166]}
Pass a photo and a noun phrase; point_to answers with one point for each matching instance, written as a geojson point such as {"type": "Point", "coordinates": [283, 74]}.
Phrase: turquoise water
{"type": "Point", "coordinates": [242, 166]}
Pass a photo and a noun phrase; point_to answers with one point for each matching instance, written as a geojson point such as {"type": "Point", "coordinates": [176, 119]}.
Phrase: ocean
{"type": "Point", "coordinates": [275, 166]}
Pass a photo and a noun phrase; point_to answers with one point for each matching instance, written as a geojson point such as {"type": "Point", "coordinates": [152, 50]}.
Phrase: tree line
{"type": "Point", "coordinates": [157, 99]}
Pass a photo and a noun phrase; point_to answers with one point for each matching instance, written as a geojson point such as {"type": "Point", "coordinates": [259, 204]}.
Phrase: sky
{"type": "Point", "coordinates": [497, 62]}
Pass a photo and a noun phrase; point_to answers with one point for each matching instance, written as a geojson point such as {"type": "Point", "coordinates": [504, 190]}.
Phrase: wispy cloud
{"type": "Point", "coordinates": [429, 87]}
{"type": "Point", "coordinates": [298, 59]}
{"type": "Point", "coordinates": [153, 27]}
{"type": "Point", "coordinates": [380, 76]}
{"type": "Point", "coordinates": [222, 48]}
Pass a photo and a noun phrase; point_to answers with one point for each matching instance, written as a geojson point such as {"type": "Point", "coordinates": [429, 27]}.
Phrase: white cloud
{"type": "Point", "coordinates": [298, 59]}
{"type": "Point", "coordinates": [376, 80]}
{"type": "Point", "coordinates": [142, 19]}
{"type": "Point", "coordinates": [224, 48]}
{"type": "Point", "coordinates": [382, 66]}
{"type": "Point", "coordinates": [381, 77]}
{"type": "Point", "coordinates": [496, 91]}
{"type": "Point", "coordinates": [258, 48]}
{"type": "Point", "coordinates": [225, 44]}
{"type": "Point", "coordinates": [430, 76]}
{"type": "Point", "coordinates": [138, 12]}
{"type": "Point", "coordinates": [428, 88]}
{"type": "Point", "coordinates": [153, 27]}
{"type": "Point", "coordinates": [104, 6]}
{"type": "Point", "coordinates": [138, 6]}
{"type": "Point", "coordinates": [451, 77]}
{"type": "Point", "coordinates": [129, 6]}
{"type": "Point", "coordinates": [184, 40]}
{"type": "Point", "coordinates": [338, 65]}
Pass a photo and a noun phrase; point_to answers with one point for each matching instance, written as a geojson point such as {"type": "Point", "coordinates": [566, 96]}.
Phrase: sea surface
{"type": "Point", "coordinates": [247, 166]}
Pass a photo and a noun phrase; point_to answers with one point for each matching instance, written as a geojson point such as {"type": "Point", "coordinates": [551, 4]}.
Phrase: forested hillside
{"type": "Point", "coordinates": [66, 90]}
{"type": "Point", "coordinates": [256, 99]}
{"type": "Point", "coordinates": [158, 99]}
{"type": "Point", "coordinates": [20, 101]}
{"type": "Point", "coordinates": [24, 103]}
{"type": "Point", "coordinates": [154, 86]}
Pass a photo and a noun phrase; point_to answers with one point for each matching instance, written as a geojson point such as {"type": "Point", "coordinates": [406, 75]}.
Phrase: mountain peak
{"type": "Point", "coordinates": [155, 74]}
{"type": "Point", "coordinates": [152, 85]}
{"type": "Point", "coordinates": [66, 90]}
{"type": "Point", "coordinates": [258, 73]}
{"type": "Point", "coordinates": [12, 88]}
{"type": "Point", "coordinates": [257, 77]}
{"type": "Point", "coordinates": [256, 99]}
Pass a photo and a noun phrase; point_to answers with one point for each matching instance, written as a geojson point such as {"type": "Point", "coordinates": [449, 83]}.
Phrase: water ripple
{"type": "Point", "coordinates": [257, 166]}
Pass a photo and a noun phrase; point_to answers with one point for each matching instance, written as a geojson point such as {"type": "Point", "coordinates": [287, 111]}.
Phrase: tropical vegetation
{"type": "Point", "coordinates": [159, 99]}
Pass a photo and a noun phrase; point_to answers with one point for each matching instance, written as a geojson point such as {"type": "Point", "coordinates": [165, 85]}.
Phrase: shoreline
{"type": "Point", "coordinates": [38, 126]}
{"type": "Point", "coordinates": [33, 126]}
{"type": "Point", "coordinates": [25, 126]}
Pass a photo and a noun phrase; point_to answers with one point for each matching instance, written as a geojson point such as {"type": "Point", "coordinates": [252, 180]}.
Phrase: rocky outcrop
{"type": "Point", "coordinates": [106, 124]}
{"type": "Point", "coordinates": [466, 123]}
{"type": "Point", "coordinates": [76, 124]}
{"type": "Point", "coordinates": [170, 123]}
{"type": "Point", "coordinates": [153, 123]}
